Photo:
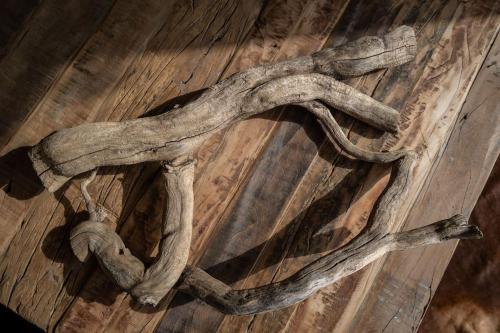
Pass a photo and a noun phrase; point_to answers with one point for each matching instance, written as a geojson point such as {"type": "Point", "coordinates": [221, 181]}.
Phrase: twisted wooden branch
{"type": "Point", "coordinates": [336, 135]}
{"type": "Point", "coordinates": [324, 271]}
{"type": "Point", "coordinates": [73, 151]}
{"type": "Point", "coordinates": [311, 82]}
{"type": "Point", "coordinates": [93, 236]}
{"type": "Point", "coordinates": [149, 286]}
{"type": "Point", "coordinates": [371, 244]}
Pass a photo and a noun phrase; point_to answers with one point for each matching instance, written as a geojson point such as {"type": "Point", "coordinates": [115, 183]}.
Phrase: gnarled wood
{"type": "Point", "coordinates": [176, 234]}
{"type": "Point", "coordinates": [335, 134]}
{"type": "Point", "coordinates": [150, 286]}
{"type": "Point", "coordinates": [69, 152]}
{"type": "Point", "coordinates": [310, 82]}
{"type": "Point", "coordinates": [93, 236]}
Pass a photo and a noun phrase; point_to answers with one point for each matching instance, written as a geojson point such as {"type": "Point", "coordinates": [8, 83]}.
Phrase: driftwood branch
{"type": "Point", "coordinates": [370, 245]}
{"type": "Point", "coordinates": [335, 134]}
{"type": "Point", "coordinates": [311, 82]}
{"type": "Point", "coordinates": [95, 237]}
{"type": "Point", "coordinates": [149, 286]}
{"type": "Point", "coordinates": [324, 271]}
{"type": "Point", "coordinates": [73, 151]}
{"type": "Point", "coordinates": [176, 234]}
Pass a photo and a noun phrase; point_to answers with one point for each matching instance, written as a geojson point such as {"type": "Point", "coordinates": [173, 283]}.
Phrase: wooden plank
{"type": "Point", "coordinates": [239, 155]}
{"type": "Point", "coordinates": [101, 71]}
{"type": "Point", "coordinates": [432, 109]}
{"type": "Point", "coordinates": [76, 97]}
{"type": "Point", "coordinates": [210, 37]}
{"type": "Point", "coordinates": [404, 288]}
{"type": "Point", "coordinates": [55, 33]}
{"type": "Point", "coordinates": [36, 54]}
{"type": "Point", "coordinates": [73, 99]}
{"type": "Point", "coordinates": [117, 318]}
{"type": "Point", "coordinates": [13, 15]}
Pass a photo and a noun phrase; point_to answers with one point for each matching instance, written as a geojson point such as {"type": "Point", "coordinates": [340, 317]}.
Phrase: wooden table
{"type": "Point", "coordinates": [271, 194]}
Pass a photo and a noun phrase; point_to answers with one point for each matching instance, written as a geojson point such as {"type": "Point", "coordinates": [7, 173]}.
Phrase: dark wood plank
{"type": "Point", "coordinates": [79, 94]}
{"type": "Point", "coordinates": [54, 35]}
{"type": "Point", "coordinates": [13, 15]}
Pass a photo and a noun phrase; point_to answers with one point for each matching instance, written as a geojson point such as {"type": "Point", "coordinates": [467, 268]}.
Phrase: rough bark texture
{"type": "Point", "coordinates": [310, 82]}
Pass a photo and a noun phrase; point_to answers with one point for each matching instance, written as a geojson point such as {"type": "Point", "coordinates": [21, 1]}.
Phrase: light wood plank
{"type": "Point", "coordinates": [405, 286]}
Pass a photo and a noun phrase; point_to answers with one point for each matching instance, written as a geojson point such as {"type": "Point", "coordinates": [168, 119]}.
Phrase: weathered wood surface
{"type": "Point", "coordinates": [404, 288]}
{"type": "Point", "coordinates": [267, 198]}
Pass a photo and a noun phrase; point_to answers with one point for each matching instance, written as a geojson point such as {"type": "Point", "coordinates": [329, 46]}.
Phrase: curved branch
{"type": "Point", "coordinates": [113, 256]}
{"type": "Point", "coordinates": [176, 234]}
{"type": "Point", "coordinates": [335, 134]}
{"type": "Point", "coordinates": [371, 244]}
{"type": "Point", "coordinates": [369, 53]}
{"type": "Point", "coordinates": [72, 151]}
{"type": "Point", "coordinates": [314, 86]}
{"type": "Point", "coordinates": [95, 237]}
{"type": "Point", "coordinates": [307, 81]}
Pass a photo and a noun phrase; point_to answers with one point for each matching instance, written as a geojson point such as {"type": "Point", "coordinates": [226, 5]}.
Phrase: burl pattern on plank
{"type": "Point", "coordinates": [312, 82]}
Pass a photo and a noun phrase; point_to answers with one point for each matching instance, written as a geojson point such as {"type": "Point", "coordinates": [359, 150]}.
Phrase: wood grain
{"type": "Point", "coordinates": [313, 234]}
{"type": "Point", "coordinates": [334, 302]}
{"type": "Point", "coordinates": [452, 186]}
{"type": "Point", "coordinates": [138, 60]}
{"type": "Point", "coordinates": [456, 34]}
{"type": "Point", "coordinates": [67, 272]}
{"type": "Point", "coordinates": [220, 39]}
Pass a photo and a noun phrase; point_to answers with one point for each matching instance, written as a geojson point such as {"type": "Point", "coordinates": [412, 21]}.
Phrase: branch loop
{"type": "Point", "coordinates": [310, 82]}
